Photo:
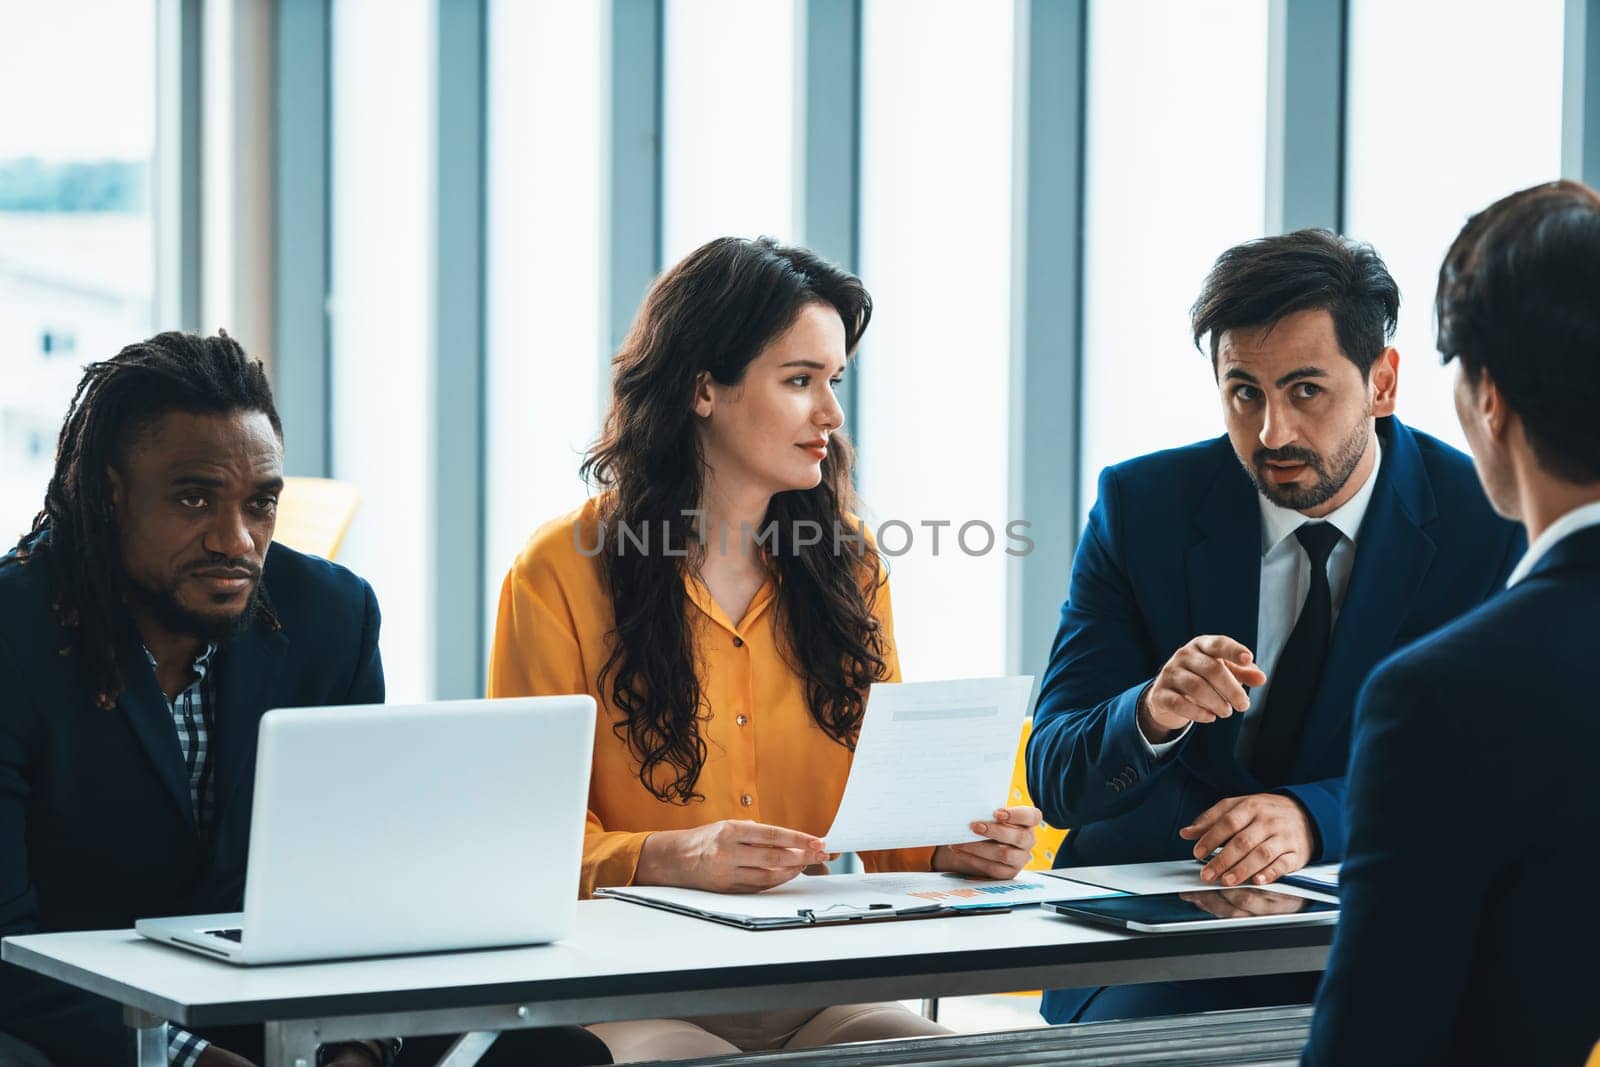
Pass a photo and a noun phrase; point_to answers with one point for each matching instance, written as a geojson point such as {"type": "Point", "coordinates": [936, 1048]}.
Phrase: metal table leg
{"type": "Point", "coordinates": [468, 1048]}
{"type": "Point", "coordinates": [147, 1037]}
{"type": "Point", "coordinates": [291, 1044]}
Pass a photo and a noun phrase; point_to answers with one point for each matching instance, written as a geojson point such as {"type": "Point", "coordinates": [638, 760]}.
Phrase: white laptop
{"type": "Point", "coordinates": [389, 829]}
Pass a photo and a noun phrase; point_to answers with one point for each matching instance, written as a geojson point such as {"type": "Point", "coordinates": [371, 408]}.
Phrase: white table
{"type": "Point", "coordinates": [629, 962]}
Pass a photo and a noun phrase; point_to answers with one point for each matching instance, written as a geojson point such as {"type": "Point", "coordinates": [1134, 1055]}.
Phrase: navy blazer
{"type": "Point", "coordinates": [1467, 931]}
{"type": "Point", "coordinates": [96, 825]}
{"type": "Point", "coordinates": [1172, 551]}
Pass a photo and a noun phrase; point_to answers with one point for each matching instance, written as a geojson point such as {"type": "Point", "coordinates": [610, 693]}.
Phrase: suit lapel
{"type": "Point", "coordinates": [150, 717]}
{"type": "Point", "coordinates": [1224, 580]}
{"type": "Point", "coordinates": [1393, 554]}
{"type": "Point", "coordinates": [247, 665]}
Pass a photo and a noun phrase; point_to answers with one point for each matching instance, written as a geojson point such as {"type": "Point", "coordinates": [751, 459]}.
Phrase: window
{"type": "Point", "coordinates": [1447, 113]}
{"type": "Point", "coordinates": [729, 130]}
{"type": "Point", "coordinates": [934, 366]}
{"type": "Point", "coordinates": [77, 236]}
{"type": "Point", "coordinates": [1176, 173]}
{"type": "Point", "coordinates": [546, 368]}
{"type": "Point", "coordinates": [381, 333]}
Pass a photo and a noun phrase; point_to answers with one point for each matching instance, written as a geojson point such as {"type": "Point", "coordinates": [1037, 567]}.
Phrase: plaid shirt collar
{"type": "Point", "coordinates": [201, 664]}
{"type": "Point", "coordinates": [192, 711]}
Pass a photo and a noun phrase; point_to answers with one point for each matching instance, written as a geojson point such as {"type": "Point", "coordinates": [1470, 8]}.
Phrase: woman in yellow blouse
{"type": "Point", "coordinates": [725, 610]}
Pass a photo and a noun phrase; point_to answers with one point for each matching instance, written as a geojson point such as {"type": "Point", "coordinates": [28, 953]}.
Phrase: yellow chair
{"type": "Point", "coordinates": [1049, 839]}
{"type": "Point", "coordinates": [1045, 844]}
{"type": "Point", "coordinates": [1594, 1057]}
{"type": "Point", "coordinates": [314, 514]}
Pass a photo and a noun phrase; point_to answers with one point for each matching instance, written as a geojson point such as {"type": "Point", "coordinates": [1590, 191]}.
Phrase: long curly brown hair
{"type": "Point", "coordinates": [714, 312]}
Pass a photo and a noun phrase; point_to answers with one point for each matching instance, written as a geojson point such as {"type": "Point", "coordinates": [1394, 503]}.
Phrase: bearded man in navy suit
{"type": "Point", "coordinates": [1229, 598]}
{"type": "Point", "coordinates": [1466, 934]}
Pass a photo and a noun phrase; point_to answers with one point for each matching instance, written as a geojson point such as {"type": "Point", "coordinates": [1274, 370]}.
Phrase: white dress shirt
{"type": "Point", "coordinates": [1285, 583]}
{"type": "Point", "coordinates": [1579, 518]}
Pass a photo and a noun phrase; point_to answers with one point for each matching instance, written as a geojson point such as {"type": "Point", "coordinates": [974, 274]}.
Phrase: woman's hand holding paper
{"type": "Point", "coordinates": [1005, 848]}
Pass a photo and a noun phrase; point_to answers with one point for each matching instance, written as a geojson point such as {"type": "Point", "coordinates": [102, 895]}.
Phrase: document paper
{"type": "Point", "coordinates": [932, 758]}
{"type": "Point", "coordinates": [1162, 876]}
{"type": "Point", "coordinates": [837, 894]}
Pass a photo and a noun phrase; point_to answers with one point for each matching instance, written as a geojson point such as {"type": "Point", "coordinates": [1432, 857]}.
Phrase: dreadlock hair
{"type": "Point", "coordinates": [715, 312]}
{"type": "Point", "coordinates": [76, 532]}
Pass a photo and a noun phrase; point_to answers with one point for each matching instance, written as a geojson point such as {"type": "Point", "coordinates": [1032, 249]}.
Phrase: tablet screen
{"type": "Point", "coordinates": [1202, 905]}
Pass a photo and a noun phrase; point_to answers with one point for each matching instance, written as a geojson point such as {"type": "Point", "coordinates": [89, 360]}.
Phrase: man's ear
{"type": "Point", "coordinates": [1384, 376]}
{"type": "Point", "coordinates": [704, 399]}
{"type": "Point", "coordinates": [1492, 409]}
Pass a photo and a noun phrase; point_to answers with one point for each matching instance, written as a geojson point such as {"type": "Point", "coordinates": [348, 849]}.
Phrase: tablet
{"type": "Point", "coordinates": [1199, 909]}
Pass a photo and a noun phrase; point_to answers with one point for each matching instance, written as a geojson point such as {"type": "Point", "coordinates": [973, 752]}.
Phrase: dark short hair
{"type": "Point", "coordinates": [1519, 297]}
{"type": "Point", "coordinates": [1260, 282]}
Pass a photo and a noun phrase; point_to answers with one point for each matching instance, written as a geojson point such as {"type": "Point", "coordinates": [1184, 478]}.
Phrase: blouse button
{"type": "Point", "coordinates": [741, 719]}
{"type": "Point", "coordinates": [747, 800]}
{"type": "Point", "coordinates": [738, 642]}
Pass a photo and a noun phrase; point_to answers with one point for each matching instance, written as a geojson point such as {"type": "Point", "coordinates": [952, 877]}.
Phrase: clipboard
{"type": "Point", "coordinates": [832, 915]}
{"type": "Point", "coordinates": [841, 899]}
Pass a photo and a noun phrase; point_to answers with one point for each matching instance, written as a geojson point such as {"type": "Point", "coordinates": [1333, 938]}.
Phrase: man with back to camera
{"type": "Point", "coordinates": [1228, 599]}
{"type": "Point", "coordinates": [1466, 932]}
{"type": "Point", "coordinates": [145, 627]}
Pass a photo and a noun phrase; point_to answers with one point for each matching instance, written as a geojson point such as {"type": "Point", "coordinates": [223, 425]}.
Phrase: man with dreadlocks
{"type": "Point", "coordinates": [146, 623]}
{"type": "Point", "coordinates": [144, 629]}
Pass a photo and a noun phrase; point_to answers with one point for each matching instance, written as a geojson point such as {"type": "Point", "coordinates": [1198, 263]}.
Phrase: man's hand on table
{"type": "Point", "coordinates": [1262, 837]}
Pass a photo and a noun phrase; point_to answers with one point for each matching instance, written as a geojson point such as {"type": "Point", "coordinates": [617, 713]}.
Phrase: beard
{"type": "Point", "coordinates": [1331, 473]}
{"type": "Point", "coordinates": [169, 613]}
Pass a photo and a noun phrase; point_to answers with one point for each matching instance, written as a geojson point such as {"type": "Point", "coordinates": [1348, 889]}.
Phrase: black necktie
{"type": "Point", "coordinates": [1299, 668]}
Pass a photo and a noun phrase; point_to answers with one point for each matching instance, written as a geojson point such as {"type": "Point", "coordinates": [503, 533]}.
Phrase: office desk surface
{"type": "Point", "coordinates": [626, 961]}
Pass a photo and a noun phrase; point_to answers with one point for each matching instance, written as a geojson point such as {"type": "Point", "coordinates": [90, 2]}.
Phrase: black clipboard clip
{"type": "Point", "coordinates": [843, 913]}
{"type": "Point", "coordinates": [847, 913]}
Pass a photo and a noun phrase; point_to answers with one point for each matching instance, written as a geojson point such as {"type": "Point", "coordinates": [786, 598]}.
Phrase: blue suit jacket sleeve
{"type": "Point", "coordinates": [1323, 802]}
{"type": "Point", "coordinates": [1395, 966]}
{"type": "Point", "coordinates": [1086, 760]}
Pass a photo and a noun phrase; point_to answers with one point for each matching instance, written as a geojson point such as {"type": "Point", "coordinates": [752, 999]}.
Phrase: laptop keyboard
{"type": "Point", "coordinates": [234, 934]}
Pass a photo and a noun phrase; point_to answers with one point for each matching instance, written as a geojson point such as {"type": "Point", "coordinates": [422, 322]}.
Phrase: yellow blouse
{"type": "Point", "coordinates": [766, 759]}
